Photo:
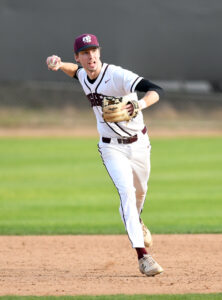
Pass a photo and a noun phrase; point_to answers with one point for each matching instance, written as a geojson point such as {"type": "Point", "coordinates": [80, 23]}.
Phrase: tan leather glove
{"type": "Point", "coordinates": [114, 111]}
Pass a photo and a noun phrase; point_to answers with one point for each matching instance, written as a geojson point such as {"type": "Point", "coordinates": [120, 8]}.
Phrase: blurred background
{"type": "Point", "coordinates": [175, 43]}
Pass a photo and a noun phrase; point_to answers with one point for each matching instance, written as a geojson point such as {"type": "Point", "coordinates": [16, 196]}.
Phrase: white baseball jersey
{"type": "Point", "coordinates": [112, 81]}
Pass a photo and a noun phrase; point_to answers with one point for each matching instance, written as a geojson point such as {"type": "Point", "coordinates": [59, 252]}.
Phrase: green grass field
{"type": "Point", "coordinates": [60, 186]}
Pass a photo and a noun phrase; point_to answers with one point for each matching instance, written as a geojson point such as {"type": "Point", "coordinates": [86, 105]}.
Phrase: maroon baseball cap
{"type": "Point", "coordinates": [85, 41]}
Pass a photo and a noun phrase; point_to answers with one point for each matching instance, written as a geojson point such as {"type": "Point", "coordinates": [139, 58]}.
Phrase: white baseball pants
{"type": "Point", "coordinates": [129, 167]}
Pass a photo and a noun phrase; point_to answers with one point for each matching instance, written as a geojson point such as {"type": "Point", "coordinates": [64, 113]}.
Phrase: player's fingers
{"type": "Point", "coordinates": [49, 61]}
{"type": "Point", "coordinates": [129, 108]}
{"type": "Point", "coordinates": [53, 62]}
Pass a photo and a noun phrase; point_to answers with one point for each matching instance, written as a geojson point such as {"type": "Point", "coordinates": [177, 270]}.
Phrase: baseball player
{"type": "Point", "coordinates": [124, 144]}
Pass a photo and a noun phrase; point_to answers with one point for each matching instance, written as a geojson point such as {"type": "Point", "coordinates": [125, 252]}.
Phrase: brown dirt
{"type": "Point", "coordinates": [92, 132]}
{"type": "Point", "coordinates": [95, 265]}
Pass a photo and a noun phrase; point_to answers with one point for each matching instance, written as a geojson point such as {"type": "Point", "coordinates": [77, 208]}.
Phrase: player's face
{"type": "Point", "coordinates": [90, 60]}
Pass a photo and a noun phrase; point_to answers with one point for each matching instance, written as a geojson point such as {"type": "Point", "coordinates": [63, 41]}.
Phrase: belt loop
{"type": "Point", "coordinates": [106, 140]}
{"type": "Point", "coordinates": [144, 130]}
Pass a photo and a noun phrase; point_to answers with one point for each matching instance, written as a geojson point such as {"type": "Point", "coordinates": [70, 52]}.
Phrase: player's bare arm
{"type": "Point", "coordinates": [69, 68]}
{"type": "Point", "coordinates": [152, 94]}
{"type": "Point", "coordinates": [55, 63]}
{"type": "Point", "coordinates": [150, 98]}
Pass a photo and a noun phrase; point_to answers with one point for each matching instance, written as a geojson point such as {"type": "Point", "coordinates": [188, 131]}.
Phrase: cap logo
{"type": "Point", "coordinates": [87, 39]}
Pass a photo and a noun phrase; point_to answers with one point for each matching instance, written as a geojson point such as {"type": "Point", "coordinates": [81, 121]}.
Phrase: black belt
{"type": "Point", "coordinates": [125, 140]}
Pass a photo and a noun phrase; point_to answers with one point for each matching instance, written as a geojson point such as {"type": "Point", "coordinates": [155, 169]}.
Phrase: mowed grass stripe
{"type": "Point", "coordinates": [120, 297]}
{"type": "Point", "coordinates": [59, 186]}
{"type": "Point", "coordinates": [185, 186]}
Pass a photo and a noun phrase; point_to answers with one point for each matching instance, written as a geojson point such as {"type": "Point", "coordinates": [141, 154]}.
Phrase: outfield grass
{"type": "Point", "coordinates": [121, 297]}
{"type": "Point", "coordinates": [59, 186]}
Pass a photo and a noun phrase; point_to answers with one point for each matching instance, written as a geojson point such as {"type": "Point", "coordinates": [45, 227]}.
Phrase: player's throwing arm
{"type": "Point", "coordinates": [55, 63]}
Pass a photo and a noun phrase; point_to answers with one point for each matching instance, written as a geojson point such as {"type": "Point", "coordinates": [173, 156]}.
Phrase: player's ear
{"type": "Point", "coordinates": [76, 57]}
{"type": "Point", "coordinates": [99, 49]}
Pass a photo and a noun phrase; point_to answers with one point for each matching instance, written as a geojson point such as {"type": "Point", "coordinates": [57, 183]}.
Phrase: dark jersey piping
{"type": "Point", "coordinates": [87, 86]}
{"type": "Point", "coordinates": [131, 89]}
{"type": "Point", "coordinates": [123, 129]}
{"type": "Point", "coordinates": [113, 129]}
{"type": "Point", "coordinates": [101, 78]}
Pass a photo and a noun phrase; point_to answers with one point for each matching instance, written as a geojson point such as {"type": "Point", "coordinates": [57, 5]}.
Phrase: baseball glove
{"type": "Point", "coordinates": [114, 111]}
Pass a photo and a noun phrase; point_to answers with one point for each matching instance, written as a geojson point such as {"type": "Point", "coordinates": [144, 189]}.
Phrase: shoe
{"type": "Point", "coordinates": [149, 266]}
{"type": "Point", "coordinates": [148, 242]}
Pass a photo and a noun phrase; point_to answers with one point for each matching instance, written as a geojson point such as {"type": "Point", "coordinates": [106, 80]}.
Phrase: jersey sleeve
{"type": "Point", "coordinates": [145, 86]}
{"type": "Point", "coordinates": [76, 74]}
{"type": "Point", "coordinates": [125, 80]}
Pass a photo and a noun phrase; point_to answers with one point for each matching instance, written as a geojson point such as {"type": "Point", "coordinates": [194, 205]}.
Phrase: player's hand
{"type": "Point", "coordinates": [129, 108]}
{"type": "Point", "coordinates": [54, 62]}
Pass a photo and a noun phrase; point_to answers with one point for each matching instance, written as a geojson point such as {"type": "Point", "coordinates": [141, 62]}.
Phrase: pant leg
{"type": "Point", "coordinates": [141, 171]}
{"type": "Point", "coordinates": [119, 168]}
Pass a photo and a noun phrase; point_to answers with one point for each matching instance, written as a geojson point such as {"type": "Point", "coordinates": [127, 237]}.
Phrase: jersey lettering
{"type": "Point", "coordinates": [95, 99]}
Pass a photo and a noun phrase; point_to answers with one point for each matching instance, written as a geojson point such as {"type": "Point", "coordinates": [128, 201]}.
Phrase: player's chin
{"type": "Point", "coordinates": [92, 65]}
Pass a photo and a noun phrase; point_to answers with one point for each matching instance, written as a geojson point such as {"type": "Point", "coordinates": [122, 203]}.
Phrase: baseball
{"type": "Point", "coordinates": [52, 61]}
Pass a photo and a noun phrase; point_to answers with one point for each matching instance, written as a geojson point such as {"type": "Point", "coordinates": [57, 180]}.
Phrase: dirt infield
{"type": "Point", "coordinates": [87, 132]}
{"type": "Point", "coordinates": [95, 265]}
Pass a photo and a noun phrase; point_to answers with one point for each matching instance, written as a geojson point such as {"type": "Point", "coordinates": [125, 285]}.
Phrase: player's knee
{"type": "Point", "coordinates": [127, 192]}
{"type": "Point", "coordinates": [128, 210]}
